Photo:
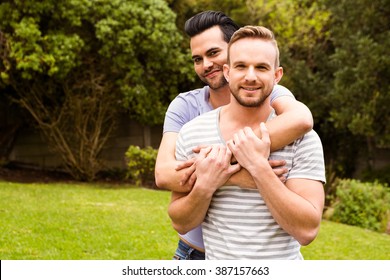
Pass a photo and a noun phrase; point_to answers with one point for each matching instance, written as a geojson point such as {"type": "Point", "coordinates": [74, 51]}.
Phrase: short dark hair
{"type": "Point", "coordinates": [205, 20]}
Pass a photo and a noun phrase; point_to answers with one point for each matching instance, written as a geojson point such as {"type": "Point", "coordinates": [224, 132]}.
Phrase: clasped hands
{"type": "Point", "coordinates": [218, 163]}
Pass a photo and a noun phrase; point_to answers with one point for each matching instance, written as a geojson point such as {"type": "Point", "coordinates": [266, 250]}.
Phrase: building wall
{"type": "Point", "coordinates": [31, 150]}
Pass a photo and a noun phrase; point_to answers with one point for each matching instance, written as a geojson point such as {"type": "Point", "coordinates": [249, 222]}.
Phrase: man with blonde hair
{"type": "Point", "coordinates": [275, 219]}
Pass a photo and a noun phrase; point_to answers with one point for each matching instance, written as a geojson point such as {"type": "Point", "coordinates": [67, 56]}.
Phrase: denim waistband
{"type": "Point", "coordinates": [186, 252]}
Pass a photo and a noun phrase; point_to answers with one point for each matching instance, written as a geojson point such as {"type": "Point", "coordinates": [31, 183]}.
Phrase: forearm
{"type": "Point", "coordinates": [168, 178]}
{"type": "Point", "coordinates": [166, 175]}
{"type": "Point", "coordinates": [187, 212]}
{"type": "Point", "coordinates": [292, 122]}
{"type": "Point", "coordinates": [295, 214]}
{"type": "Point", "coordinates": [242, 179]}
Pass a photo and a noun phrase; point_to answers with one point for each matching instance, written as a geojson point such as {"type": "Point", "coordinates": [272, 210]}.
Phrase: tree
{"type": "Point", "coordinates": [361, 62]}
{"type": "Point", "coordinates": [75, 64]}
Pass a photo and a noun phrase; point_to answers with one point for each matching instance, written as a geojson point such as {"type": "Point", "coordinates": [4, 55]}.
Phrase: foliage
{"type": "Point", "coordinates": [334, 54]}
{"type": "Point", "coordinates": [366, 205]}
{"type": "Point", "coordinates": [120, 222]}
{"type": "Point", "coordinates": [140, 164]}
{"type": "Point", "coordinates": [358, 92]}
{"type": "Point", "coordinates": [74, 64]}
{"type": "Point", "coordinates": [361, 61]}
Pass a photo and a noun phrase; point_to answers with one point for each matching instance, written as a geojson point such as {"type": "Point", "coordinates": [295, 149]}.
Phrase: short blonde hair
{"type": "Point", "coordinates": [257, 32]}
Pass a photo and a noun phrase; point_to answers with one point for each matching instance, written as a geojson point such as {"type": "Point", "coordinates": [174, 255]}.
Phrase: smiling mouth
{"type": "Point", "coordinates": [211, 73]}
{"type": "Point", "coordinates": [250, 89]}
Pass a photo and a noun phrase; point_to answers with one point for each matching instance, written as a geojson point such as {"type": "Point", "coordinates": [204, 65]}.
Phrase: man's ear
{"type": "Point", "coordinates": [278, 74]}
{"type": "Point", "coordinates": [226, 72]}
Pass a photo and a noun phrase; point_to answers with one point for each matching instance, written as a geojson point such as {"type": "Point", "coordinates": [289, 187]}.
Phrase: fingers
{"type": "Point", "coordinates": [277, 163]}
{"type": "Point", "coordinates": [221, 155]}
{"type": "Point", "coordinates": [234, 168]}
{"type": "Point", "coordinates": [230, 146]}
{"type": "Point", "coordinates": [197, 149]}
{"type": "Point", "coordinates": [217, 157]}
{"type": "Point", "coordinates": [264, 133]}
{"type": "Point", "coordinates": [203, 152]}
{"type": "Point", "coordinates": [224, 157]}
{"type": "Point", "coordinates": [283, 179]}
{"type": "Point", "coordinates": [192, 179]}
{"type": "Point", "coordinates": [189, 175]}
{"type": "Point", "coordinates": [279, 171]}
{"type": "Point", "coordinates": [279, 168]}
{"type": "Point", "coordinates": [185, 164]}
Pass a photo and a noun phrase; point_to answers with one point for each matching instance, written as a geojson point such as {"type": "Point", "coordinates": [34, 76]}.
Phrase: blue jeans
{"type": "Point", "coordinates": [185, 252]}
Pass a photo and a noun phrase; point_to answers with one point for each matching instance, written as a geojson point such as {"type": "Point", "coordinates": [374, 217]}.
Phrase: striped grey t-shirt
{"type": "Point", "coordinates": [238, 224]}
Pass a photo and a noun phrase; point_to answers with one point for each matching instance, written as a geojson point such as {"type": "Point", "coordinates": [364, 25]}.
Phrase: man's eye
{"type": "Point", "coordinates": [197, 60]}
{"type": "Point", "coordinates": [262, 67]}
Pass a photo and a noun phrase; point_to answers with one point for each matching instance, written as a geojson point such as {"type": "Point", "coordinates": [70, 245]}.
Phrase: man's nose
{"type": "Point", "coordinates": [250, 74]}
{"type": "Point", "coordinates": [207, 63]}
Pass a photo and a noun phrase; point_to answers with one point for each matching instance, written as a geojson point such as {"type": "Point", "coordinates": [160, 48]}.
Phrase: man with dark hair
{"type": "Point", "coordinates": [205, 20]}
{"type": "Point", "coordinates": [210, 33]}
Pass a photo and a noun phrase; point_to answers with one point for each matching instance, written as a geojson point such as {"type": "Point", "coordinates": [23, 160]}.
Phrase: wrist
{"type": "Point", "coordinates": [260, 166]}
{"type": "Point", "coordinates": [202, 190]}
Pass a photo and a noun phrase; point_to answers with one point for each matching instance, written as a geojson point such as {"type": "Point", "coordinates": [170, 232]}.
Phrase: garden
{"type": "Point", "coordinates": [55, 218]}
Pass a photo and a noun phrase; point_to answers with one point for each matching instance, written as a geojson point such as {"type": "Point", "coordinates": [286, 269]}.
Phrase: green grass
{"type": "Point", "coordinates": [107, 222]}
{"type": "Point", "coordinates": [343, 242]}
{"type": "Point", "coordinates": [65, 221]}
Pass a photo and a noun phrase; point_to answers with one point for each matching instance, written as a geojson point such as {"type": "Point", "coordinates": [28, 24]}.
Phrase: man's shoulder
{"type": "Point", "coordinates": [195, 92]}
{"type": "Point", "coordinates": [310, 136]}
{"type": "Point", "coordinates": [194, 99]}
{"type": "Point", "coordinates": [202, 120]}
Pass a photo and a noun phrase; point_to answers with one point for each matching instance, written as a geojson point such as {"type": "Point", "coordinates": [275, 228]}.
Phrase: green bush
{"type": "Point", "coordinates": [140, 164]}
{"type": "Point", "coordinates": [361, 204]}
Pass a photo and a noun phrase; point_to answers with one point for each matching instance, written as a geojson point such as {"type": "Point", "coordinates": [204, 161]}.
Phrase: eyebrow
{"type": "Point", "coordinates": [208, 51]}
{"type": "Point", "coordinates": [213, 49]}
{"type": "Point", "coordinates": [256, 65]}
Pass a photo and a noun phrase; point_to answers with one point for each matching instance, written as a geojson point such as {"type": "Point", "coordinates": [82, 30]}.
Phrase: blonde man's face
{"type": "Point", "coordinates": [251, 73]}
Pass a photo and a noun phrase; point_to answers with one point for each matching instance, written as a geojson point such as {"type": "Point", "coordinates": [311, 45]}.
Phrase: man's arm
{"type": "Point", "coordinates": [297, 205]}
{"type": "Point", "coordinates": [213, 168]}
{"type": "Point", "coordinates": [293, 120]}
{"type": "Point", "coordinates": [244, 179]}
{"type": "Point", "coordinates": [187, 211]}
{"type": "Point", "coordinates": [166, 175]}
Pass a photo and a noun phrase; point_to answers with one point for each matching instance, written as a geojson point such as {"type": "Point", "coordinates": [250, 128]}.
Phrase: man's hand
{"type": "Point", "coordinates": [213, 168]}
{"type": "Point", "coordinates": [278, 166]}
{"type": "Point", "coordinates": [250, 150]}
{"type": "Point", "coordinates": [189, 177]}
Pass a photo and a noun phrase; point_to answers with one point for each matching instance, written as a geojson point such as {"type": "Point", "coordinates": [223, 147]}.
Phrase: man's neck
{"type": "Point", "coordinates": [219, 97]}
{"type": "Point", "coordinates": [234, 117]}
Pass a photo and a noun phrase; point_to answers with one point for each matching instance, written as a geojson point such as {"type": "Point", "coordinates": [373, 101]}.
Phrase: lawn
{"type": "Point", "coordinates": [111, 222]}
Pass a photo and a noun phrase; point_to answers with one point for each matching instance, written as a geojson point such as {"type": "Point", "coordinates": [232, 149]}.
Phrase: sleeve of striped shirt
{"type": "Point", "coordinates": [308, 162]}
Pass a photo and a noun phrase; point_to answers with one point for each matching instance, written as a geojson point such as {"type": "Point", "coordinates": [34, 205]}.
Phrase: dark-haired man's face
{"type": "Point", "coordinates": [209, 53]}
